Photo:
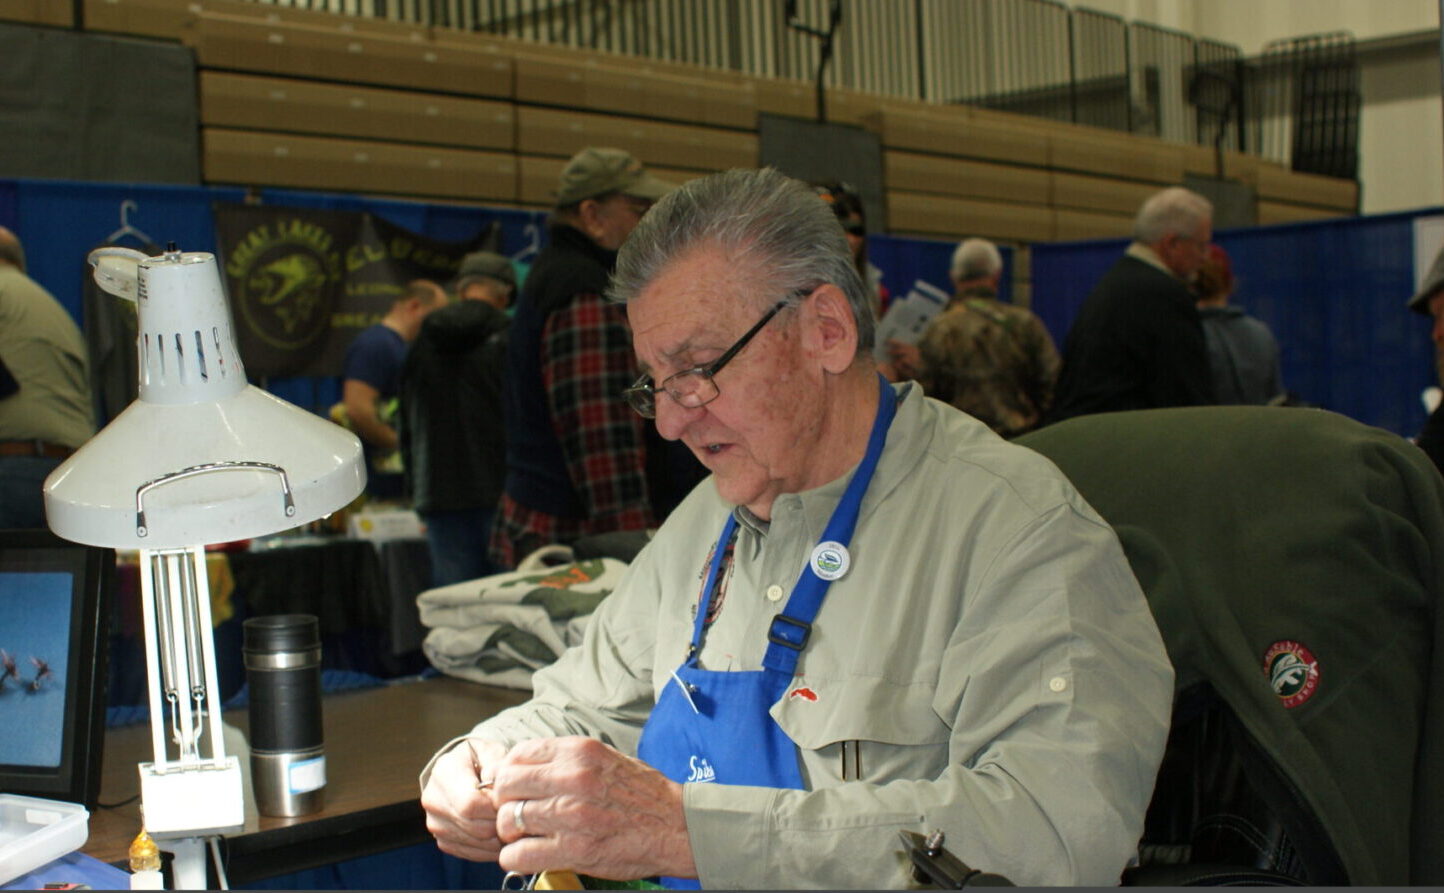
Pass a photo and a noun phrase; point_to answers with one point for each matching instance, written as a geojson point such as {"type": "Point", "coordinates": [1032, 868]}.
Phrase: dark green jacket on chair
{"type": "Point", "coordinates": [1294, 560]}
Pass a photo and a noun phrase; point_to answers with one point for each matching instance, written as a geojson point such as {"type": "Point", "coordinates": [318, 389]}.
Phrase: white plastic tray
{"type": "Point", "coordinates": [35, 831]}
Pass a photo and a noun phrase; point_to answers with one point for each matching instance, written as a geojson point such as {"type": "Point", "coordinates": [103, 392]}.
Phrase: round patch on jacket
{"type": "Point", "coordinates": [1293, 672]}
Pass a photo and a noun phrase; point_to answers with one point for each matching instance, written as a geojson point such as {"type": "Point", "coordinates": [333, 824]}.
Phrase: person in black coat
{"type": "Point", "coordinates": [451, 433]}
{"type": "Point", "coordinates": [1137, 342]}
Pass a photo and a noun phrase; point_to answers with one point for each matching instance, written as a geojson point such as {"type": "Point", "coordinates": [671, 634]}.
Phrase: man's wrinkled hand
{"type": "Point", "coordinates": [459, 803]}
{"type": "Point", "coordinates": [575, 803]}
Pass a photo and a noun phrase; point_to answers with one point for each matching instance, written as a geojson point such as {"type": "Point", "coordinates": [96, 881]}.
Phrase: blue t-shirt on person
{"type": "Point", "coordinates": [375, 357]}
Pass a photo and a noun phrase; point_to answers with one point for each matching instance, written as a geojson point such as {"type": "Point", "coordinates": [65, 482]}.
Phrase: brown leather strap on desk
{"type": "Point", "coordinates": [39, 448]}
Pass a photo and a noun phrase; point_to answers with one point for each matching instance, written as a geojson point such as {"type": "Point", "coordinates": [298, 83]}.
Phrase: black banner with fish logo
{"type": "Point", "coordinates": [302, 282]}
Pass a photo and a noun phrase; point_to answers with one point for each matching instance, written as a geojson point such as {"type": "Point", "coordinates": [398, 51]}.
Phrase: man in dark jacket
{"type": "Point", "coordinates": [1137, 342]}
{"type": "Point", "coordinates": [579, 460]}
{"type": "Point", "coordinates": [451, 432]}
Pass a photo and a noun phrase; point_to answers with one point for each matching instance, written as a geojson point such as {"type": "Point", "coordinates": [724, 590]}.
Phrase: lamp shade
{"type": "Point", "coordinates": [201, 456]}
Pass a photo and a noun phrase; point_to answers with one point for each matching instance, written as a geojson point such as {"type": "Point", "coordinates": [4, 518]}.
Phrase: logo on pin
{"type": "Point", "coordinates": [830, 560]}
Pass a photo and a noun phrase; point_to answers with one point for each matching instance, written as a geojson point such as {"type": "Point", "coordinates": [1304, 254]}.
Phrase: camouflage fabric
{"type": "Point", "coordinates": [498, 629]}
{"type": "Point", "coordinates": [994, 361]}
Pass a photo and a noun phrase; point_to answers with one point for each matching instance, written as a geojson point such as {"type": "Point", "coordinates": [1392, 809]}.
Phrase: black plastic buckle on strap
{"type": "Point", "coordinates": [779, 636]}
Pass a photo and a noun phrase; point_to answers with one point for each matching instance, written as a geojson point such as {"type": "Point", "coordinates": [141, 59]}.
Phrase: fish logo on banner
{"type": "Point", "coordinates": [286, 271]}
{"type": "Point", "coordinates": [303, 281]}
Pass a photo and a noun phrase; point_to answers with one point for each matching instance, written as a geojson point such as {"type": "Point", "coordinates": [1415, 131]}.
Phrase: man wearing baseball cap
{"type": "Point", "coordinates": [579, 461]}
{"type": "Point", "coordinates": [453, 441]}
{"type": "Point", "coordinates": [485, 276]}
{"type": "Point", "coordinates": [1429, 301]}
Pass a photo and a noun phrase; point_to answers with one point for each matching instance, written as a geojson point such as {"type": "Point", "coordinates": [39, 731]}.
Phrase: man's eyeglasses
{"type": "Point", "coordinates": [695, 387]}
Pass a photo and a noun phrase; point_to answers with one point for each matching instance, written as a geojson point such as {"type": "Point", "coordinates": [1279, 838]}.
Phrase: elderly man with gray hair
{"type": "Point", "coordinates": [1137, 342]}
{"type": "Point", "coordinates": [874, 616]}
{"type": "Point", "coordinates": [994, 361]}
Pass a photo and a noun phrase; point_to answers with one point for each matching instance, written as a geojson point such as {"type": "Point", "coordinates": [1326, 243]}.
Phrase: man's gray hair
{"type": "Point", "coordinates": [974, 259]}
{"type": "Point", "coordinates": [774, 227]}
{"type": "Point", "coordinates": [1174, 211]}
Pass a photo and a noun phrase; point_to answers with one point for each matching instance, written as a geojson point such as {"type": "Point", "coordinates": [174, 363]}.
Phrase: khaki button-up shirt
{"type": "Point", "coordinates": [988, 666]}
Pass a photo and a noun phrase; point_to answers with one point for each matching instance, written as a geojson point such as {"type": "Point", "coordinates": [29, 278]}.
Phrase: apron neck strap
{"type": "Point", "coordinates": [790, 630]}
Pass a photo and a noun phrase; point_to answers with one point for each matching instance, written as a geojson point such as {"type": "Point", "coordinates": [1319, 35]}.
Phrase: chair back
{"type": "Point", "coordinates": [1294, 561]}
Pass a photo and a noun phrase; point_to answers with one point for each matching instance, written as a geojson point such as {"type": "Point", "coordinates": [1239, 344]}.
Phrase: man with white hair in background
{"type": "Point", "coordinates": [994, 361]}
{"type": "Point", "coordinates": [875, 616]}
{"type": "Point", "coordinates": [1137, 342]}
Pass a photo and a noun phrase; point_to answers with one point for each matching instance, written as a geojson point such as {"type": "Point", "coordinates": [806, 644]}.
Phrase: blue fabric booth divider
{"type": "Point", "coordinates": [1333, 292]}
{"type": "Point", "coordinates": [61, 221]}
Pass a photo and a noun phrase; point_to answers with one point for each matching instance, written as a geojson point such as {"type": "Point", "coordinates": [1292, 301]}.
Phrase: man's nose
{"type": "Point", "coordinates": [672, 417]}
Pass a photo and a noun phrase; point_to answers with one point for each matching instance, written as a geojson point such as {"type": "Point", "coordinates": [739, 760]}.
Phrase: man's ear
{"type": "Point", "coordinates": [588, 215]}
{"type": "Point", "coordinates": [830, 331]}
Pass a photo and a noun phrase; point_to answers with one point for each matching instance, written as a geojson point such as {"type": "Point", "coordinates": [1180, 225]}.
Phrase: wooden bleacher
{"type": "Point", "coordinates": [309, 99]}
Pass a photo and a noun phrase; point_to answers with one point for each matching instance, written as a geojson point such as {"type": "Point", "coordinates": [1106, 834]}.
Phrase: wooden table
{"type": "Point", "coordinates": [377, 741]}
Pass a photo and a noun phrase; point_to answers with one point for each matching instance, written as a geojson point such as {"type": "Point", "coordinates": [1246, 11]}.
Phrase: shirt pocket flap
{"type": "Point", "coordinates": [815, 713]}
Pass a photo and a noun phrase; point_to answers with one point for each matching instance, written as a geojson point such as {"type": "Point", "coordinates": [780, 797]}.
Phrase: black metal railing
{"type": "Point", "coordinates": [1297, 104]}
{"type": "Point", "coordinates": [1307, 97]}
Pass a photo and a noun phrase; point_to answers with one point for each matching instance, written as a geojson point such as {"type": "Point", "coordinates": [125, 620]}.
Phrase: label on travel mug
{"type": "Point", "coordinates": [307, 775]}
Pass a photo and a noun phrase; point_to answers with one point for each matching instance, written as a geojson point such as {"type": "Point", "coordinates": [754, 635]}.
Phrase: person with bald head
{"type": "Point", "coordinates": [874, 616]}
{"type": "Point", "coordinates": [1137, 342]}
{"type": "Point", "coordinates": [46, 410]}
{"type": "Point", "coordinates": [371, 379]}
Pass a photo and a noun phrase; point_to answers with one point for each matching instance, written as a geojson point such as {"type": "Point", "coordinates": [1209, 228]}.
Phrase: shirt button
{"type": "Point", "coordinates": [1057, 683]}
{"type": "Point", "coordinates": [774, 593]}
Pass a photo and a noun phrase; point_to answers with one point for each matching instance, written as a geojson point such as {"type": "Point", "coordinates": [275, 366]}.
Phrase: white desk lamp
{"type": "Point", "coordinates": [201, 457]}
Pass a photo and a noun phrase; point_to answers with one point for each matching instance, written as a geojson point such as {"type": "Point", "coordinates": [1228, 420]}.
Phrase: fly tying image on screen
{"type": "Point", "coordinates": [35, 614]}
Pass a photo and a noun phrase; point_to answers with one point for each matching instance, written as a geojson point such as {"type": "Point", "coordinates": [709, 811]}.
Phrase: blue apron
{"type": "Point", "coordinates": [711, 726]}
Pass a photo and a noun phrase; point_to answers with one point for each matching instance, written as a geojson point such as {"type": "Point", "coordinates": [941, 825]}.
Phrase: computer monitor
{"type": "Point", "coordinates": [54, 611]}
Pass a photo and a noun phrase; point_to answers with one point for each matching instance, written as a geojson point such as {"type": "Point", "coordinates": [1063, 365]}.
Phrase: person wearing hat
{"type": "Point", "coordinates": [579, 462]}
{"type": "Point", "coordinates": [1429, 301]}
{"type": "Point", "coordinates": [453, 444]}
{"type": "Point", "coordinates": [485, 276]}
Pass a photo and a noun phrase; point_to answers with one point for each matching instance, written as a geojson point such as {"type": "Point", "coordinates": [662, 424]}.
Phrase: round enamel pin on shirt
{"type": "Point", "coordinates": [830, 560]}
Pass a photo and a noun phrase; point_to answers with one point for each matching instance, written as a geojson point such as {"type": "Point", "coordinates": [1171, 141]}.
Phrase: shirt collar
{"type": "Point", "coordinates": [905, 445]}
{"type": "Point", "coordinates": [1140, 251]}
{"type": "Point", "coordinates": [975, 291]}
{"type": "Point", "coordinates": [564, 234]}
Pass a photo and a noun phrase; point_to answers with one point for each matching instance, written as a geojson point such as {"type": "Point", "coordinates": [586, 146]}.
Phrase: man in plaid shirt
{"type": "Point", "coordinates": [579, 460]}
